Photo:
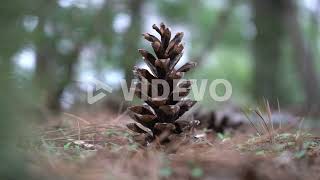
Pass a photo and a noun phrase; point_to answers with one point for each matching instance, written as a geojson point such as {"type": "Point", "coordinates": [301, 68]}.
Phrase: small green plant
{"type": "Point", "coordinates": [165, 171]}
{"type": "Point", "coordinates": [67, 146]}
{"type": "Point", "coordinates": [224, 136]}
{"type": "Point", "coordinates": [197, 172]}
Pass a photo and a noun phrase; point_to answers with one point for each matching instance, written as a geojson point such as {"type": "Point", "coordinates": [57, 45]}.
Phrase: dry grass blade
{"type": "Point", "coordinates": [269, 114]}
{"type": "Point", "coordinates": [264, 124]}
{"type": "Point", "coordinates": [299, 128]}
{"type": "Point", "coordinates": [279, 110]}
{"type": "Point", "coordinates": [77, 117]}
{"type": "Point", "coordinates": [251, 122]}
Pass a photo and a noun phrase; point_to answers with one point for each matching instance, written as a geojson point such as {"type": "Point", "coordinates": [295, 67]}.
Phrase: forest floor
{"type": "Point", "coordinates": [99, 146]}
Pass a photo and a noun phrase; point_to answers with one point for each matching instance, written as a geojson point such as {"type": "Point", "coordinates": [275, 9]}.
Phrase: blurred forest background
{"type": "Point", "coordinates": [51, 50]}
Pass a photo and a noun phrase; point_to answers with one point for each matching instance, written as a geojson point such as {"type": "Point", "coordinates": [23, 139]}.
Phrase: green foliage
{"type": "Point", "coordinates": [165, 172]}
{"type": "Point", "coordinates": [229, 56]}
{"type": "Point", "coordinates": [224, 137]}
{"type": "Point", "coordinates": [176, 11]}
{"type": "Point", "coordinates": [232, 65]}
{"type": "Point", "coordinates": [197, 172]}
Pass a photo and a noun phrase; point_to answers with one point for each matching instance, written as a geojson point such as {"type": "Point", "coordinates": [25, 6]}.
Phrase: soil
{"type": "Point", "coordinates": [99, 146]}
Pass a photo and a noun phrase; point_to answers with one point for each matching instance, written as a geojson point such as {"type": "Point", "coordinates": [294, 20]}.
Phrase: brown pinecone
{"type": "Point", "coordinates": [160, 115]}
{"type": "Point", "coordinates": [219, 120]}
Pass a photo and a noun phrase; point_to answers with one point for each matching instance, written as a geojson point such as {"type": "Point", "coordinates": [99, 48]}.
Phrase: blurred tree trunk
{"type": "Point", "coordinates": [53, 71]}
{"type": "Point", "coordinates": [268, 19]}
{"type": "Point", "coordinates": [44, 48]}
{"type": "Point", "coordinates": [132, 38]}
{"type": "Point", "coordinates": [303, 57]}
{"type": "Point", "coordinates": [51, 83]}
{"type": "Point", "coordinates": [64, 79]}
{"type": "Point", "coordinates": [46, 59]}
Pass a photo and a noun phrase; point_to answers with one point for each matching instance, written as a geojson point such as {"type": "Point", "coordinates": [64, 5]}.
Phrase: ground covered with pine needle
{"type": "Point", "coordinates": [99, 146]}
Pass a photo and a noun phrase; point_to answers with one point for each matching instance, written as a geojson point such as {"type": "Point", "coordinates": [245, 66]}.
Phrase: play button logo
{"type": "Point", "coordinates": [98, 91]}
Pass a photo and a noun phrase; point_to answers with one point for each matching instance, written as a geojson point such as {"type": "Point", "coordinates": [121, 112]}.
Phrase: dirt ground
{"type": "Point", "coordinates": [99, 146]}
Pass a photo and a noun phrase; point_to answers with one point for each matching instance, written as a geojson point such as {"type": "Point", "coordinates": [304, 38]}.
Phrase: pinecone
{"type": "Point", "coordinates": [160, 115]}
{"type": "Point", "coordinates": [220, 120]}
